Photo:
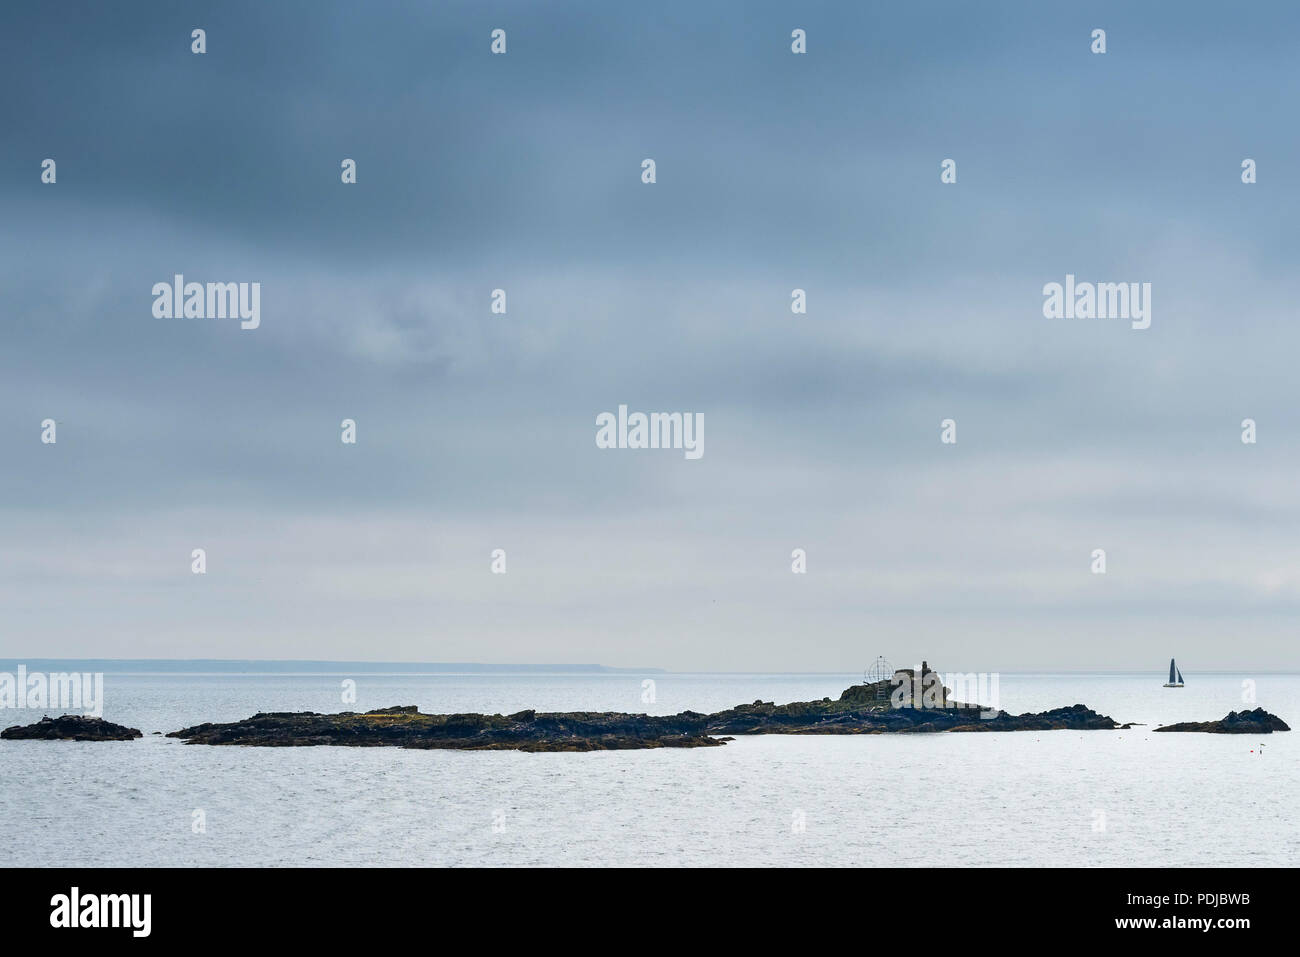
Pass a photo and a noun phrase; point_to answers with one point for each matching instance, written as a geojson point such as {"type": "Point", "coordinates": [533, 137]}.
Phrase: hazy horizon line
{"type": "Point", "coordinates": [173, 666]}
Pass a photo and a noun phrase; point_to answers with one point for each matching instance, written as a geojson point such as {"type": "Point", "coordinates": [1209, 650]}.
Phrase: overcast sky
{"type": "Point", "coordinates": [477, 431]}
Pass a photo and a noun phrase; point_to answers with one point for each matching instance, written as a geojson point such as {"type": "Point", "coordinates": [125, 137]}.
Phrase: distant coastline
{"type": "Point", "coordinates": [286, 666]}
{"type": "Point", "coordinates": [293, 666]}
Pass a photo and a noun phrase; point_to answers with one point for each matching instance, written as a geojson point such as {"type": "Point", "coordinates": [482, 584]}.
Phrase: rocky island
{"type": "Point", "coordinates": [70, 727]}
{"type": "Point", "coordinates": [869, 709]}
{"type": "Point", "coordinates": [861, 709]}
{"type": "Point", "coordinates": [910, 702]}
{"type": "Point", "coordinates": [1258, 721]}
{"type": "Point", "coordinates": [407, 727]}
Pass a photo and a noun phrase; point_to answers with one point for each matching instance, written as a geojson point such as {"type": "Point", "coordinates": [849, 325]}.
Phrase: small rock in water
{"type": "Point", "coordinates": [70, 727]}
{"type": "Point", "coordinates": [1235, 722]}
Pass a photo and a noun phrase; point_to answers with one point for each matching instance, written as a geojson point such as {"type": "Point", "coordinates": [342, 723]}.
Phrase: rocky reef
{"type": "Point", "coordinates": [407, 727]}
{"type": "Point", "coordinates": [870, 709]}
{"type": "Point", "coordinates": [1258, 721]}
{"type": "Point", "coordinates": [910, 703]}
{"type": "Point", "coordinates": [861, 709]}
{"type": "Point", "coordinates": [70, 727]}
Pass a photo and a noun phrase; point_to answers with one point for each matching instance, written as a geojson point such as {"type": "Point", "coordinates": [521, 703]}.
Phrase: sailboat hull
{"type": "Point", "coordinates": [1168, 685]}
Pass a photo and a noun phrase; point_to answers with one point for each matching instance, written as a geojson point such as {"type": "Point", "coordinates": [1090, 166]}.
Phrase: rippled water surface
{"type": "Point", "coordinates": [1091, 798]}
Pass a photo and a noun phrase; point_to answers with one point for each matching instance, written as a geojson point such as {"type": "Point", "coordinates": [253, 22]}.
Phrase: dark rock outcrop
{"type": "Point", "coordinates": [914, 701]}
{"type": "Point", "coordinates": [849, 716]}
{"type": "Point", "coordinates": [407, 727]}
{"type": "Point", "coordinates": [1258, 721]}
{"type": "Point", "coordinates": [70, 727]}
{"type": "Point", "coordinates": [861, 709]}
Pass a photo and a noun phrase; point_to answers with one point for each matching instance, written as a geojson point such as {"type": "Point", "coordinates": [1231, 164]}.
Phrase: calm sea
{"type": "Point", "coordinates": [1053, 798]}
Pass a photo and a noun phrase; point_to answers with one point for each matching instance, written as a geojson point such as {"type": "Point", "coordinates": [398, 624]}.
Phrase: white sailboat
{"type": "Point", "coordinates": [1173, 671]}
